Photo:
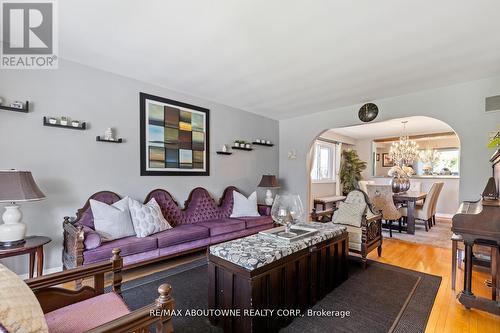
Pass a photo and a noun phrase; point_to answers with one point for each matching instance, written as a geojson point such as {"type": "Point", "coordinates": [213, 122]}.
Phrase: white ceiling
{"type": "Point", "coordinates": [286, 58]}
{"type": "Point", "coordinates": [392, 128]}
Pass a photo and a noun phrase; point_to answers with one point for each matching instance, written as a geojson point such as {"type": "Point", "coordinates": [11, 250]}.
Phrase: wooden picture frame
{"type": "Point", "coordinates": [387, 161]}
{"type": "Point", "coordinates": [174, 136]}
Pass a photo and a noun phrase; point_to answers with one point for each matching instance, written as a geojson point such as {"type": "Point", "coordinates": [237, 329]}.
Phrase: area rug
{"type": "Point", "coordinates": [382, 298]}
{"type": "Point", "coordinates": [439, 235]}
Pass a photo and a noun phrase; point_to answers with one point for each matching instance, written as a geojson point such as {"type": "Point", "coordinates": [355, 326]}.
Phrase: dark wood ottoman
{"type": "Point", "coordinates": [266, 283]}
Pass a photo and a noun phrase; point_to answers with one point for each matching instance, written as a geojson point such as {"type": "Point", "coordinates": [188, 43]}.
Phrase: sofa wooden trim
{"type": "Point", "coordinates": [73, 235]}
{"type": "Point", "coordinates": [51, 297]}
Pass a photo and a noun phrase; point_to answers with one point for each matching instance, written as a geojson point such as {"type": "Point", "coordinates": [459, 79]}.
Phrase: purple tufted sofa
{"type": "Point", "coordinates": [201, 223]}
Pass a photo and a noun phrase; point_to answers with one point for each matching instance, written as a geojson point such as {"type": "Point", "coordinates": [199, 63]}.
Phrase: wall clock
{"type": "Point", "coordinates": [368, 112]}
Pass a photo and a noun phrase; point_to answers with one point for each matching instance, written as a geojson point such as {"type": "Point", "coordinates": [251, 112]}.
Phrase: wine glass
{"type": "Point", "coordinates": [287, 210]}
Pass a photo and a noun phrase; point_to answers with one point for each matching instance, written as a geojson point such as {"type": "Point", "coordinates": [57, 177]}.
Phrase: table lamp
{"type": "Point", "coordinates": [269, 182]}
{"type": "Point", "coordinates": [16, 186]}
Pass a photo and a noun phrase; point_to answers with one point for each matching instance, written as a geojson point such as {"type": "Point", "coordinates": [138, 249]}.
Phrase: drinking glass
{"type": "Point", "coordinates": [287, 210]}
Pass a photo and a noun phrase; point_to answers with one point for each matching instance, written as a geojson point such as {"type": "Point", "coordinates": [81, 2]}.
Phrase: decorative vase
{"type": "Point", "coordinates": [400, 184]}
{"type": "Point", "coordinates": [108, 134]}
{"type": "Point", "coordinates": [248, 145]}
{"type": "Point", "coordinates": [236, 144]}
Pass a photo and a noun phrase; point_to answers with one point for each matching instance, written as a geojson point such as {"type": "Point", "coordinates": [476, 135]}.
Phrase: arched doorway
{"type": "Point", "coordinates": [372, 142]}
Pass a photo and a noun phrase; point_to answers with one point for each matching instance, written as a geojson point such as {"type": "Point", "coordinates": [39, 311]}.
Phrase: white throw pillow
{"type": "Point", "coordinates": [112, 221]}
{"type": "Point", "coordinates": [349, 213]}
{"type": "Point", "coordinates": [147, 219]}
{"type": "Point", "coordinates": [243, 206]}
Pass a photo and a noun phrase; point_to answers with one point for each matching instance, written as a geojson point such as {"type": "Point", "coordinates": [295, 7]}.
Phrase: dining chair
{"type": "Point", "coordinates": [381, 197]}
{"type": "Point", "coordinates": [434, 208]}
{"type": "Point", "coordinates": [416, 187]}
{"type": "Point", "coordinates": [362, 185]}
{"type": "Point", "coordinates": [425, 212]}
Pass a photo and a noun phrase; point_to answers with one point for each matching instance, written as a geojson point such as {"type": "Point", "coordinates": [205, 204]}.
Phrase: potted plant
{"type": "Point", "coordinates": [350, 170]}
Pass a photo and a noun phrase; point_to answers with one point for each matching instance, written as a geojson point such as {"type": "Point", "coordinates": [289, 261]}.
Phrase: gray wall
{"type": "Point", "coordinates": [460, 106]}
{"type": "Point", "coordinates": [70, 165]}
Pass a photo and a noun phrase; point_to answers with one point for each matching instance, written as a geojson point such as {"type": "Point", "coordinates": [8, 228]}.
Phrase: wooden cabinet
{"type": "Point", "coordinates": [269, 297]}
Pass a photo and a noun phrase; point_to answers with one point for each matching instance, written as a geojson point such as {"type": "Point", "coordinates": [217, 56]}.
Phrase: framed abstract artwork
{"type": "Point", "coordinates": [174, 138]}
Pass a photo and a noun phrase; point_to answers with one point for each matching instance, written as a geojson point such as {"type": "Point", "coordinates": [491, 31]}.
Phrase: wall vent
{"type": "Point", "coordinates": [493, 103]}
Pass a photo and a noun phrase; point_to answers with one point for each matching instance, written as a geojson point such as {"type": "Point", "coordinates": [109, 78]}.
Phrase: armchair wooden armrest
{"type": "Point", "coordinates": [52, 298]}
{"type": "Point", "coordinates": [73, 237]}
{"type": "Point", "coordinates": [157, 314]}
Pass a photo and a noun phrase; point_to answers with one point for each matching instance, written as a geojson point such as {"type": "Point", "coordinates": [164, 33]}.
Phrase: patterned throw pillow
{"type": "Point", "coordinates": [19, 307]}
{"type": "Point", "coordinates": [349, 213]}
{"type": "Point", "coordinates": [147, 219]}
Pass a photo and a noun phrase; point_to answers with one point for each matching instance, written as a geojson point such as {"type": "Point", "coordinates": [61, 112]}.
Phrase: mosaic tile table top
{"type": "Point", "coordinates": [258, 250]}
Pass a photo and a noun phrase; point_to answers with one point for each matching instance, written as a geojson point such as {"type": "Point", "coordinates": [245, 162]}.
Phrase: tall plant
{"type": "Point", "coordinates": [350, 170]}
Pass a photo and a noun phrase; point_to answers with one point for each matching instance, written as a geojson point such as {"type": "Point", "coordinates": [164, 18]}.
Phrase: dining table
{"type": "Point", "coordinates": [409, 198]}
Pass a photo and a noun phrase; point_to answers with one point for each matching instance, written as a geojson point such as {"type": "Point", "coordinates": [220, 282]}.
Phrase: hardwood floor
{"type": "Point", "coordinates": [447, 315]}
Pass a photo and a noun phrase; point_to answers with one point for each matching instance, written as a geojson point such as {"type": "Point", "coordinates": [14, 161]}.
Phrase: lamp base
{"type": "Point", "coordinates": [12, 243]}
{"type": "Point", "coordinates": [13, 230]}
{"type": "Point", "coordinates": [269, 197]}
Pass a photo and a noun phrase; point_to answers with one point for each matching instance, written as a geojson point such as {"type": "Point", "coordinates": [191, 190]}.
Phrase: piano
{"type": "Point", "coordinates": [478, 222]}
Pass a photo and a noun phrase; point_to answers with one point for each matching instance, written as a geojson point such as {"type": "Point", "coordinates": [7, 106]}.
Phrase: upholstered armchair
{"type": "Point", "coordinates": [363, 225]}
{"type": "Point", "coordinates": [88, 309]}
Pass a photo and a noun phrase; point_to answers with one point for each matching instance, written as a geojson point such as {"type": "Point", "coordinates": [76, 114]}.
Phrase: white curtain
{"type": "Point", "coordinates": [338, 158]}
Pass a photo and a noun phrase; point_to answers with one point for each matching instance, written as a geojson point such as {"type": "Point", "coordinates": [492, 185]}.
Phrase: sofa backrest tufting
{"type": "Point", "coordinates": [199, 207]}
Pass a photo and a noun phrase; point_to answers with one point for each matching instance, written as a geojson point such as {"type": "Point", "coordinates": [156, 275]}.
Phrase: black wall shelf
{"type": "Point", "coordinates": [242, 148]}
{"type": "Point", "coordinates": [26, 108]}
{"type": "Point", "coordinates": [263, 144]}
{"type": "Point", "coordinates": [224, 153]}
{"type": "Point", "coordinates": [82, 126]}
{"type": "Point", "coordinates": [98, 138]}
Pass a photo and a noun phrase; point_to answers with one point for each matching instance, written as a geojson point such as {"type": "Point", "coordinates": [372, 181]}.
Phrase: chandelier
{"type": "Point", "coordinates": [405, 151]}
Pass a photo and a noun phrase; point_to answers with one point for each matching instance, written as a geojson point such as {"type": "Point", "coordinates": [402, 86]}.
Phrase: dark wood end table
{"type": "Point", "coordinates": [33, 246]}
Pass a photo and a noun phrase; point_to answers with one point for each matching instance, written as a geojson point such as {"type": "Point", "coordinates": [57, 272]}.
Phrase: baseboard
{"type": "Point", "coordinates": [45, 272]}
{"type": "Point", "coordinates": [446, 216]}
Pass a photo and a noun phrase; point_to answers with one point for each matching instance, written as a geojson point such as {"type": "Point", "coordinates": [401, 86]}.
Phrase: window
{"type": "Point", "coordinates": [323, 169]}
{"type": "Point", "coordinates": [446, 163]}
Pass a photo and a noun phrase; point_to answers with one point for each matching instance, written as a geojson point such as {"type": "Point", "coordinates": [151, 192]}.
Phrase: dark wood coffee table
{"type": "Point", "coordinates": [253, 275]}
{"type": "Point", "coordinates": [33, 245]}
